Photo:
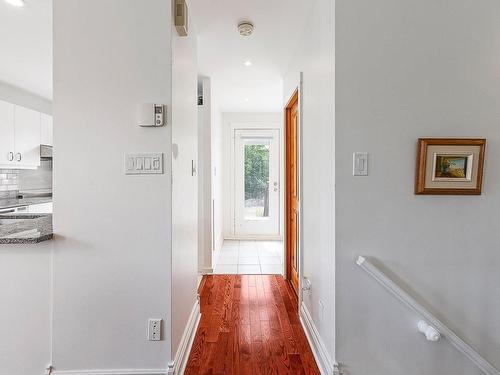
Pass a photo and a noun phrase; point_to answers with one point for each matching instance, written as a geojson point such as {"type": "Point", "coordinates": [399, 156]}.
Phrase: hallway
{"type": "Point", "coordinates": [249, 324]}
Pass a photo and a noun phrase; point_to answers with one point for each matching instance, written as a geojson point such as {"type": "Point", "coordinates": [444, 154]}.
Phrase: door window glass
{"type": "Point", "coordinates": [256, 178]}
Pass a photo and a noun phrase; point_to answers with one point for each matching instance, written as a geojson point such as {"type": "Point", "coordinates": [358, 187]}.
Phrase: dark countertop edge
{"type": "Point", "coordinates": [21, 241]}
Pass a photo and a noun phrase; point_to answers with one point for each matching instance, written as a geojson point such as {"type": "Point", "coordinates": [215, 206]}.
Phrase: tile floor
{"type": "Point", "coordinates": [250, 258]}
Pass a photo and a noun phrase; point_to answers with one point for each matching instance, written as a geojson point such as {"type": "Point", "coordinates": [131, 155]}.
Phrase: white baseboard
{"type": "Point", "coordinates": [216, 255]}
{"type": "Point", "coordinates": [325, 363]}
{"type": "Point", "coordinates": [207, 270]}
{"type": "Point", "coordinates": [112, 372]}
{"type": "Point", "coordinates": [178, 366]}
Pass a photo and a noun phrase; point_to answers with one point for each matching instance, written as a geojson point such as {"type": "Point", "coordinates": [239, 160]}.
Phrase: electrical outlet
{"type": "Point", "coordinates": [154, 329]}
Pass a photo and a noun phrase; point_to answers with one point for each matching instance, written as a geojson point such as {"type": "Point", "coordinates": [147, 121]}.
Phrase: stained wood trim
{"type": "Point", "coordinates": [288, 183]}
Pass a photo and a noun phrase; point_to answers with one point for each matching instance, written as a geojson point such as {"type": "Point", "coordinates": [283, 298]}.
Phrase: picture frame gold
{"type": "Point", "coordinates": [450, 166]}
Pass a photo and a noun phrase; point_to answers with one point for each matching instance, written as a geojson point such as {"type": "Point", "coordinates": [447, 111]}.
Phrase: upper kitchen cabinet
{"type": "Point", "coordinates": [46, 130]}
{"type": "Point", "coordinates": [27, 137]}
{"type": "Point", "coordinates": [6, 133]}
{"type": "Point", "coordinates": [21, 136]}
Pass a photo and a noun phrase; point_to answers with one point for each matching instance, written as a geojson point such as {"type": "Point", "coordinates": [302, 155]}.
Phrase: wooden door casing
{"type": "Point", "coordinates": [292, 191]}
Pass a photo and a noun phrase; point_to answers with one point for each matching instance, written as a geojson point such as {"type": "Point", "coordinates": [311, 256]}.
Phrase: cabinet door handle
{"type": "Point", "coordinates": [19, 156]}
{"type": "Point", "coordinates": [11, 156]}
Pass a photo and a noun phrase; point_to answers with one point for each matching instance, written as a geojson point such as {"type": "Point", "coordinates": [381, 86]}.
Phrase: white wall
{"type": "Point", "coordinates": [24, 98]}
{"type": "Point", "coordinates": [113, 247]}
{"type": "Point", "coordinates": [185, 184]}
{"type": "Point", "coordinates": [205, 177]}
{"type": "Point", "coordinates": [315, 58]}
{"type": "Point", "coordinates": [25, 279]}
{"type": "Point", "coordinates": [407, 70]}
{"type": "Point", "coordinates": [233, 121]}
{"type": "Point", "coordinates": [218, 176]}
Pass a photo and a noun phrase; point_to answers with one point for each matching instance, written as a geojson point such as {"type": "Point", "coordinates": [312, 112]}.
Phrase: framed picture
{"type": "Point", "coordinates": [450, 166]}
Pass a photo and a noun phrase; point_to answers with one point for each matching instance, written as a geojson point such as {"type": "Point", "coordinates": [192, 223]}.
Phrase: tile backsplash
{"type": "Point", "coordinates": [9, 183]}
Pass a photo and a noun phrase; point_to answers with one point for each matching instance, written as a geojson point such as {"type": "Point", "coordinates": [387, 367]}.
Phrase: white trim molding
{"type": "Point", "coordinates": [181, 357]}
{"type": "Point", "coordinates": [112, 372]}
{"type": "Point", "coordinates": [324, 361]}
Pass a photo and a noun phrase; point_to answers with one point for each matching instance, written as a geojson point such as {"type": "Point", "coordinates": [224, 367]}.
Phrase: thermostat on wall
{"type": "Point", "coordinates": [151, 114]}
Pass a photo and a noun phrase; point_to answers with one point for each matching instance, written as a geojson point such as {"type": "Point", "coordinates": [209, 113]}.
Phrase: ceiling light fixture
{"type": "Point", "coordinates": [247, 63]}
{"type": "Point", "coordinates": [246, 99]}
{"type": "Point", "coordinates": [16, 3]}
{"type": "Point", "coordinates": [245, 28]}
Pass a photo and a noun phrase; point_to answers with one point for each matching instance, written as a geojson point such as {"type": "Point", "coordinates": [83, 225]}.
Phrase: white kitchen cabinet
{"type": "Point", "coordinates": [6, 133]}
{"type": "Point", "coordinates": [27, 137]}
{"type": "Point", "coordinates": [42, 208]}
{"type": "Point", "coordinates": [46, 130]}
{"type": "Point", "coordinates": [20, 136]}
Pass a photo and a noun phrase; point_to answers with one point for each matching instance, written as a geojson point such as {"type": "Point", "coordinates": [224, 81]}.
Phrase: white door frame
{"type": "Point", "coordinates": [254, 126]}
{"type": "Point", "coordinates": [270, 225]}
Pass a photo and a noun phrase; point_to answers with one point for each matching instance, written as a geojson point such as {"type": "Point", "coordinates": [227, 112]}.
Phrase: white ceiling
{"type": "Point", "coordinates": [26, 46]}
{"type": "Point", "coordinates": [222, 51]}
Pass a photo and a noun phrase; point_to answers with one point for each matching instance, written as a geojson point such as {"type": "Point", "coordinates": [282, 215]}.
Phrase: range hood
{"type": "Point", "coordinates": [45, 152]}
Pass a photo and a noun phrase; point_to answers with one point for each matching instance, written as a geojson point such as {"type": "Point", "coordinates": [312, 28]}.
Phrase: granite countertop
{"type": "Point", "coordinates": [18, 202]}
{"type": "Point", "coordinates": [37, 229]}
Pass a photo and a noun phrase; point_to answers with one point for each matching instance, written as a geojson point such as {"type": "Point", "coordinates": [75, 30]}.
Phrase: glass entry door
{"type": "Point", "coordinates": [256, 182]}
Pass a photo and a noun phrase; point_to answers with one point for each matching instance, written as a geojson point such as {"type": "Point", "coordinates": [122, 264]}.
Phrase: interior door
{"type": "Point", "coordinates": [256, 183]}
{"type": "Point", "coordinates": [292, 192]}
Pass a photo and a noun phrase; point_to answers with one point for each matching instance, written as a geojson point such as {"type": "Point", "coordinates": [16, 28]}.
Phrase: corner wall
{"type": "Point", "coordinates": [184, 182]}
{"type": "Point", "coordinates": [218, 175]}
{"type": "Point", "coordinates": [113, 246]}
{"type": "Point", "coordinates": [205, 177]}
{"type": "Point", "coordinates": [407, 70]}
{"type": "Point", "coordinates": [315, 57]}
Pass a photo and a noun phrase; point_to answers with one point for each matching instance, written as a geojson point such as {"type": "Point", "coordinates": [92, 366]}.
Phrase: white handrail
{"type": "Point", "coordinates": [409, 301]}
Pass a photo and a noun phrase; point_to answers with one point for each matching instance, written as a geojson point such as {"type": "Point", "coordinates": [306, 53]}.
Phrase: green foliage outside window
{"type": "Point", "coordinates": [257, 175]}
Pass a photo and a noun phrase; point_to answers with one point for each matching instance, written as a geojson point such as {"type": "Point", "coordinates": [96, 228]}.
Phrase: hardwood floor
{"type": "Point", "coordinates": [249, 324]}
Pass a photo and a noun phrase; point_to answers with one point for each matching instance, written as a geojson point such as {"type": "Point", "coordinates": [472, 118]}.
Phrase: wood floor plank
{"type": "Point", "coordinates": [249, 325]}
{"type": "Point", "coordinates": [245, 349]}
{"type": "Point", "coordinates": [254, 315]}
{"type": "Point", "coordinates": [270, 363]}
{"type": "Point", "coordinates": [261, 297]}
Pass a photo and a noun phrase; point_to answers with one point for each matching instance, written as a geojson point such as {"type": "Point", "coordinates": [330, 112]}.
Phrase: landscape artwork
{"type": "Point", "coordinates": [451, 166]}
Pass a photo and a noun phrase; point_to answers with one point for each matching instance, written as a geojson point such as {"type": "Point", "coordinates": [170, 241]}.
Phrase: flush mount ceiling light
{"type": "Point", "coordinates": [245, 28]}
{"type": "Point", "coordinates": [16, 3]}
{"type": "Point", "coordinates": [247, 63]}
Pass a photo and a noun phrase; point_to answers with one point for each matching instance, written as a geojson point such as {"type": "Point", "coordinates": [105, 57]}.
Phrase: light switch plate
{"type": "Point", "coordinates": [150, 163]}
{"type": "Point", "coordinates": [360, 164]}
